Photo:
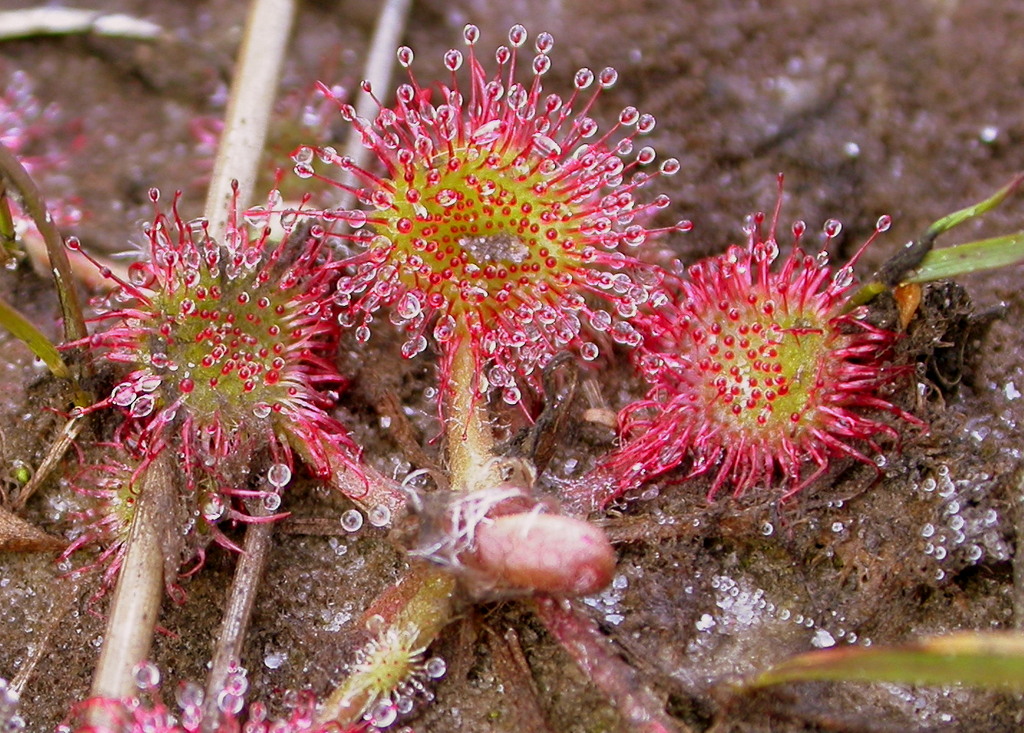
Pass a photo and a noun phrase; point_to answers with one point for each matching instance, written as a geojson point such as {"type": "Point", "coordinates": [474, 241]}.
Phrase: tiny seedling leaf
{"type": "Point", "coordinates": [985, 254]}
{"type": "Point", "coordinates": [982, 207]}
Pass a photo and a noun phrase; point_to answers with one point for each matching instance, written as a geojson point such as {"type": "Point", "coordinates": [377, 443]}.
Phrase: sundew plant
{"type": "Point", "coordinates": [227, 352]}
{"type": "Point", "coordinates": [500, 220]}
{"type": "Point", "coordinates": [762, 370]}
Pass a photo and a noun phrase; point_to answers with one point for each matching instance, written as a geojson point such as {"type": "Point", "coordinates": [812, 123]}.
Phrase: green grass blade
{"type": "Point", "coordinates": [959, 217]}
{"type": "Point", "coordinates": [70, 306]}
{"type": "Point", "coordinates": [22, 329]}
{"type": "Point", "coordinates": [918, 262]}
{"type": "Point", "coordinates": [8, 243]}
{"type": "Point", "coordinates": [985, 254]}
{"type": "Point", "coordinates": [968, 658]}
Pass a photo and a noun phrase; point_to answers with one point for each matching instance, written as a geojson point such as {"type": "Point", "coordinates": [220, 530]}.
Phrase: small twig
{"type": "Point", "coordinates": [400, 428]}
{"type": "Point", "coordinates": [248, 572]}
{"type": "Point", "coordinates": [380, 65]}
{"type": "Point", "coordinates": [511, 667]}
{"type": "Point", "coordinates": [253, 90]}
{"type": "Point", "coordinates": [637, 529]}
{"type": "Point", "coordinates": [139, 591]}
{"type": "Point", "coordinates": [70, 306]}
{"type": "Point", "coordinates": [315, 526]}
{"type": "Point", "coordinates": [539, 443]}
{"type": "Point", "coordinates": [53, 456]}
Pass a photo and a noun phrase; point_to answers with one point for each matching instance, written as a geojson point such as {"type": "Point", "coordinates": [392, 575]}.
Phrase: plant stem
{"type": "Point", "coordinates": [248, 117]}
{"type": "Point", "coordinates": [470, 442]}
{"type": "Point", "coordinates": [136, 602]}
{"type": "Point", "coordinates": [70, 306]}
{"type": "Point", "coordinates": [421, 604]}
{"type": "Point", "coordinates": [368, 488]}
{"type": "Point", "coordinates": [238, 613]}
{"type": "Point", "coordinates": [380, 65]}
{"type": "Point", "coordinates": [597, 658]}
{"type": "Point", "coordinates": [8, 241]}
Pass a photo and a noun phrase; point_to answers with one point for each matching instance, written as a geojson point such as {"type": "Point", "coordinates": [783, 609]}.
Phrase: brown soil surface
{"type": "Point", "coordinates": [906, 108]}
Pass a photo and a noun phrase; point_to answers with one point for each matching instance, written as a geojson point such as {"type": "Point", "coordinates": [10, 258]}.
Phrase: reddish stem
{"type": "Point", "coordinates": [597, 658]}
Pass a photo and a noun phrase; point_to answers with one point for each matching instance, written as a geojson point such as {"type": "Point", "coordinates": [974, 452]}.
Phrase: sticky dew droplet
{"type": "Point", "coordinates": [229, 703]}
{"type": "Point", "coordinates": [435, 667]}
{"type": "Point", "coordinates": [379, 516]}
{"type": "Point", "coordinates": [188, 694]}
{"type": "Point", "coordinates": [146, 675]}
{"type": "Point", "coordinates": [279, 475]}
{"type": "Point", "coordinates": [351, 520]}
{"type": "Point", "coordinates": [382, 715]}
{"type": "Point", "coordinates": [214, 508]}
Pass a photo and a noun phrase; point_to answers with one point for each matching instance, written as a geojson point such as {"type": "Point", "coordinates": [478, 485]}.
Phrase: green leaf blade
{"type": "Point", "coordinates": [969, 658]}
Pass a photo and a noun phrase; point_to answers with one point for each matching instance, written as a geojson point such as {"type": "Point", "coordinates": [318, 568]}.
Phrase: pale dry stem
{"type": "Point", "coordinates": [139, 587]}
{"type": "Point", "coordinates": [248, 572]}
{"type": "Point", "coordinates": [380, 65]}
{"type": "Point", "coordinates": [248, 117]}
{"type": "Point", "coordinates": [139, 590]}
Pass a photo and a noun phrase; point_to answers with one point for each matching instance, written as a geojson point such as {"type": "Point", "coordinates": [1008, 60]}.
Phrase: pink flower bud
{"type": "Point", "coordinates": [547, 553]}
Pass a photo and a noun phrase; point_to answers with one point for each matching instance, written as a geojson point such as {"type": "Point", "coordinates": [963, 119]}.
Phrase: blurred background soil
{"type": "Point", "coordinates": [911, 109]}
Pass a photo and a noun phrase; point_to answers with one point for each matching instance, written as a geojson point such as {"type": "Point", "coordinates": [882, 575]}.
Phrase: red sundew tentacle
{"type": "Point", "coordinates": [229, 348]}
{"type": "Point", "coordinates": [486, 212]}
{"type": "Point", "coordinates": [754, 416]}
